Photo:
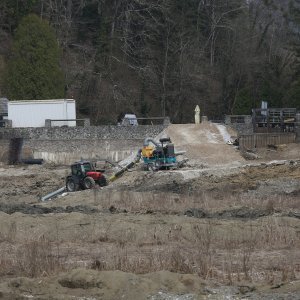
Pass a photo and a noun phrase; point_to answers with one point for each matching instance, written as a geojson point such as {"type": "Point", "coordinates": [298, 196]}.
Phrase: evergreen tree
{"type": "Point", "coordinates": [33, 70]}
{"type": "Point", "coordinates": [12, 11]}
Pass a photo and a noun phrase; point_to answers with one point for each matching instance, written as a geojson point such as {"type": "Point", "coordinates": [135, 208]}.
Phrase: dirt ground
{"type": "Point", "coordinates": [204, 143]}
{"type": "Point", "coordinates": [222, 227]}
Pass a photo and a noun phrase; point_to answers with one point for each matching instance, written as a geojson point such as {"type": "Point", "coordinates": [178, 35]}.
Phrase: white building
{"type": "Point", "coordinates": [34, 113]}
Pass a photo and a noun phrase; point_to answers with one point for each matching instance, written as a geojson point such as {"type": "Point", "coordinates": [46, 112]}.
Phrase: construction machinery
{"type": "Point", "coordinates": [84, 176]}
{"type": "Point", "coordinates": [156, 156]}
{"type": "Point", "coordinates": [159, 156]}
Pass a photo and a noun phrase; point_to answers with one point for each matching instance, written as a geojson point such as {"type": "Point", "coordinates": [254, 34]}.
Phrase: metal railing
{"type": "Point", "coordinates": [67, 122]}
{"type": "Point", "coordinates": [145, 121]}
{"type": "Point", "coordinates": [274, 119]}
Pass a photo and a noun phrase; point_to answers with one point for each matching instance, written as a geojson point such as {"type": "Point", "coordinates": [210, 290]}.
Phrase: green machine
{"type": "Point", "coordinates": [161, 156]}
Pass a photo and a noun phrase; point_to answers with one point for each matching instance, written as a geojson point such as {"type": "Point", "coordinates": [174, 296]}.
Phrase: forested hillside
{"type": "Point", "coordinates": [152, 57]}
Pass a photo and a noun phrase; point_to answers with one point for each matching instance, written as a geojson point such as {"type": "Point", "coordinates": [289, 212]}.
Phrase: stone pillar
{"type": "Point", "coordinates": [204, 119]}
{"type": "Point", "coordinates": [87, 122]}
{"type": "Point", "coordinates": [47, 123]}
{"type": "Point", "coordinates": [248, 119]}
{"type": "Point", "coordinates": [166, 121]}
{"type": "Point", "coordinates": [249, 124]}
{"type": "Point", "coordinates": [197, 114]}
{"type": "Point", "coordinates": [297, 128]}
{"type": "Point", "coordinates": [227, 120]}
{"type": "Point", "coordinates": [8, 123]}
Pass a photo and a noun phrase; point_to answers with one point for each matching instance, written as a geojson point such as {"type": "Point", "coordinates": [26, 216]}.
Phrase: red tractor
{"type": "Point", "coordinates": [84, 176]}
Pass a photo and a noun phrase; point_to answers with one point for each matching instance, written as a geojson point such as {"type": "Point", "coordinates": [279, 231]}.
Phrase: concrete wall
{"type": "Point", "coordinates": [66, 152]}
{"type": "Point", "coordinates": [65, 145]}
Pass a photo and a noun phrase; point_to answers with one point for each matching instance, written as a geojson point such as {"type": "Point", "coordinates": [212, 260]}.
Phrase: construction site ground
{"type": "Point", "coordinates": [221, 227]}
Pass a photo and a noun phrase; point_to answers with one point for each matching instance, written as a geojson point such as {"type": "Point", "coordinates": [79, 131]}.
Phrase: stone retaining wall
{"type": "Point", "coordinates": [64, 145]}
{"type": "Point", "coordinates": [91, 132]}
{"type": "Point", "coordinates": [241, 123]}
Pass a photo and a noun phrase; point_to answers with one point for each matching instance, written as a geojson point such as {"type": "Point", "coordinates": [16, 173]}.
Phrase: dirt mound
{"type": "Point", "coordinates": [256, 180]}
{"type": "Point", "coordinates": [108, 285]}
{"type": "Point", "coordinates": [204, 143]}
{"type": "Point", "coordinates": [112, 285]}
{"type": "Point", "coordinates": [29, 183]}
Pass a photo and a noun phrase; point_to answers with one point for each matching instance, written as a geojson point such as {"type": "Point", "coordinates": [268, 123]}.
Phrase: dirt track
{"type": "Point", "coordinates": [230, 225]}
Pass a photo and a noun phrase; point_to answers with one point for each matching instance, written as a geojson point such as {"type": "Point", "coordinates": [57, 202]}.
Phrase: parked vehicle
{"type": "Point", "coordinates": [129, 119]}
{"type": "Point", "coordinates": [84, 176]}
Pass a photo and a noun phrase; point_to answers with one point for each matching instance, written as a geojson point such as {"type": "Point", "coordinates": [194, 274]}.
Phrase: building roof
{"type": "Point", "coordinates": [3, 106]}
{"type": "Point", "coordinates": [40, 101]}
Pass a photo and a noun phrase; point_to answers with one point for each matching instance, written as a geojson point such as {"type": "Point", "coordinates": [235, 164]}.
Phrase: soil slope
{"type": "Point", "coordinates": [205, 143]}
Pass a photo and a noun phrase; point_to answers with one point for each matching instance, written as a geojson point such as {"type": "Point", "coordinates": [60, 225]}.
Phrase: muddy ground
{"type": "Point", "coordinates": [210, 230]}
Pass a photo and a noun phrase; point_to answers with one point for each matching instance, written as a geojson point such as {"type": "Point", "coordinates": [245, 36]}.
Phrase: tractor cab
{"type": "Point", "coordinates": [81, 168]}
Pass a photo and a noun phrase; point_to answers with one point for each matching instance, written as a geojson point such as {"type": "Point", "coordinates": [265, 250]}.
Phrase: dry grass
{"type": "Point", "coordinates": [239, 253]}
{"type": "Point", "coordinates": [229, 256]}
{"type": "Point", "coordinates": [9, 235]}
{"type": "Point", "coordinates": [32, 258]}
{"type": "Point", "coordinates": [262, 250]}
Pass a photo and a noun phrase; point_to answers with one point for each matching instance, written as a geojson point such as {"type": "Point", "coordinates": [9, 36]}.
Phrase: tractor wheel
{"type": "Point", "coordinates": [71, 185]}
{"type": "Point", "coordinates": [102, 181]}
{"type": "Point", "coordinates": [88, 183]}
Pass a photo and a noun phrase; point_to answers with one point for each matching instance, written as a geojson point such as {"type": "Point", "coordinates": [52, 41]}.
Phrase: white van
{"type": "Point", "coordinates": [129, 119]}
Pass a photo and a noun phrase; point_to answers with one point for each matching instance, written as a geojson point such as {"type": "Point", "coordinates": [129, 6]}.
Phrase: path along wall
{"type": "Point", "coordinates": [64, 145]}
